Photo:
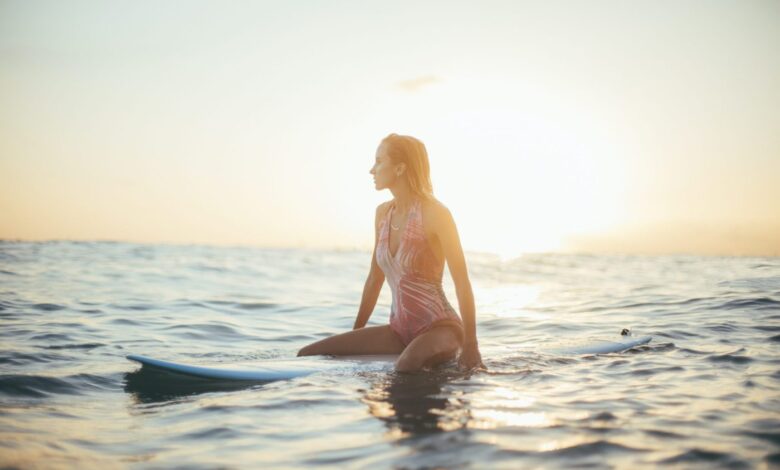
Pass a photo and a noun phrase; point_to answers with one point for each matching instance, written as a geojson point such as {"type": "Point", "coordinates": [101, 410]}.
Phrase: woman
{"type": "Point", "coordinates": [414, 235]}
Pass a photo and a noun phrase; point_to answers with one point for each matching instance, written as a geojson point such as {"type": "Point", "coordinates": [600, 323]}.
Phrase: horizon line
{"type": "Point", "coordinates": [352, 248]}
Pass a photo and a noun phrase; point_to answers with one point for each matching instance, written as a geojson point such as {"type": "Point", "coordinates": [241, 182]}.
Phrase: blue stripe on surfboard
{"type": "Point", "coordinates": [257, 373]}
{"type": "Point", "coordinates": [278, 369]}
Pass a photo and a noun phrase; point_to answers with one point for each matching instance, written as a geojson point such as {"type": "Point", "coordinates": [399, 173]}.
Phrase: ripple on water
{"type": "Point", "coordinates": [85, 346]}
{"type": "Point", "coordinates": [594, 448]}
{"type": "Point", "coordinates": [654, 371]}
{"type": "Point", "coordinates": [757, 303]}
{"type": "Point", "coordinates": [767, 429]}
{"type": "Point", "coordinates": [770, 328]}
{"type": "Point", "coordinates": [602, 416]}
{"type": "Point", "coordinates": [125, 322]}
{"type": "Point", "coordinates": [678, 334]}
{"type": "Point", "coordinates": [732, 358]}
{"type": "Point", "coordinates": [582, 453]}
{"type": "Point", "coordinates": [692, 351]}
{"type": "Point", "coordinates": [207, 331]}
{"type": "Point", "coordinates": [218, 432]}
{"type": "Point", "coordinates": [51, 337]}
{"type": "Point", "coordinates": [39, 386]}
{"type": "Point", "coordinates": [22, 359]}
{"type": "Point", "coordinates": [93, 311]}
{"type": "Point", "coordinates": [255, 305]}
{"type": "Point", "coordinates": [135, 307]}
{"type": "Point", "coordinates": [47, 307]}
{"type": "Point", "coordinates": [663, 434]}
{"type": "Point", "coordinates": [771, 437]}
{"type": "Point", "coordinates": [722, 328]}
{"type": "Point", "coordinates": [707, 457]}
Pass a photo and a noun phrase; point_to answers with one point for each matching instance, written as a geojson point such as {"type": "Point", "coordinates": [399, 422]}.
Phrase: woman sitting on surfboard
{"type": "Point", "coordinates": [414, 235]}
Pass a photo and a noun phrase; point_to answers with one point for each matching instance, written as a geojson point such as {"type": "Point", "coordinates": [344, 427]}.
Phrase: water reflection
{"type": "Point", "coordinates": [415, 404]}
{"type": "Point", "coordinates": [151, 386]}
{"type": "Point", "coordinates": [429, 403]}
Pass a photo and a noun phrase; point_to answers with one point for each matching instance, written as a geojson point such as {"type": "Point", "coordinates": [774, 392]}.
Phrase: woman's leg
{"type": "Point", "coordinates": [437, 345]}
{"type": "Point", "coordinates": [369, 340]}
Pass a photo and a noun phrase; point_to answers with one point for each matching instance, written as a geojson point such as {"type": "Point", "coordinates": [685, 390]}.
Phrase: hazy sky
{"type": "Point", "coordinates": [591, 126]}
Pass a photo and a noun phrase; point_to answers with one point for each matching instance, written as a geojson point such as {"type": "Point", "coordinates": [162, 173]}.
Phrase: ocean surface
{"type": "Point", "coordinates": [705, 393]}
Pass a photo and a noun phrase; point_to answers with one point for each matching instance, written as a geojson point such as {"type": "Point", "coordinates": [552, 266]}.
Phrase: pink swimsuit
{"type": "Point", "coordinates": [414, 275]}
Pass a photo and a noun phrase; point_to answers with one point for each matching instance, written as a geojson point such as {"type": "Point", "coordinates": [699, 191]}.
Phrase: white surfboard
{"type": "Point", "coordinates": [605, 347]}
{"type": "Point", "coordinates": [283, 369]}
{"type": "Point", "coordinates": [277, 369]}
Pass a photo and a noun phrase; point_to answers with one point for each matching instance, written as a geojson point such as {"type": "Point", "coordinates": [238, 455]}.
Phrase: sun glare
{"type": "Point", "coordinates": [524, 180]}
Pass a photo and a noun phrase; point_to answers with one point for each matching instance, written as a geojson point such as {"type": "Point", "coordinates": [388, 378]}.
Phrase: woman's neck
{"type": "Point", "coordinates": [403, 198]}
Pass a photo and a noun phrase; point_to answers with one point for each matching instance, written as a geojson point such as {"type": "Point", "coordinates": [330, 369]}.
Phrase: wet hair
{"type": "Point", "coordinates": [406, 149]}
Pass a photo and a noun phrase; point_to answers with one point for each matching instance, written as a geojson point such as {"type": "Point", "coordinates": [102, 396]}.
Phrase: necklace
{"type": "Point", "coordinates": [392, 226]}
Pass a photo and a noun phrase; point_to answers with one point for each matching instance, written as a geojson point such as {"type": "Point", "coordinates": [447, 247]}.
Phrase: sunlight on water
{"type": "Point", "coordinates": [511, 301]}
{"type": "Point", "coordinates": [505, 397]}
{"type": "Point", "coordinates": [492, 419]}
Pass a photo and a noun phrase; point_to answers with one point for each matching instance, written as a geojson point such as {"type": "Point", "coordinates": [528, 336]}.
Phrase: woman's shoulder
{"type": "Point", "coordinates": [434, 210]}
{"type": "Point", "coordinates": [381, 209]}
{"type": "Point", "coordinates": [434, 206]}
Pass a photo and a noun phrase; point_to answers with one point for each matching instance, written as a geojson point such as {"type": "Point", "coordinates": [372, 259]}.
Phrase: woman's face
{"type": "Point", "coordinates": [384, 171]}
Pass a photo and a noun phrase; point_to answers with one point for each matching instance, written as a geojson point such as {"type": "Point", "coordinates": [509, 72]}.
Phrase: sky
{"type": "Point", "coordinates": [606, 126]}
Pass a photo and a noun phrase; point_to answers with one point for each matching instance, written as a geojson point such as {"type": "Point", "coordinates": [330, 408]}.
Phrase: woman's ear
{"type": "Point", "coordinates": [400, 169]}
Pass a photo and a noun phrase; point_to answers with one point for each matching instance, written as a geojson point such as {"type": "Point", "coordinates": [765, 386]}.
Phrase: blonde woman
{"type": "Point", "coordinates": [414, 235]}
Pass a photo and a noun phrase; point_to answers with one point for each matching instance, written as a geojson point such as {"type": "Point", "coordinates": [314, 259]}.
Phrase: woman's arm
{"type": "Point", "coordinates": [375, 280]}
{"type": "Point", "coordinates": [447, 233]}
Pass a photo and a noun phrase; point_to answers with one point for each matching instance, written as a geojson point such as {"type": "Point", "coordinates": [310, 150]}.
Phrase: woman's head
{"type": "Point", "coordinates": [402, 157]}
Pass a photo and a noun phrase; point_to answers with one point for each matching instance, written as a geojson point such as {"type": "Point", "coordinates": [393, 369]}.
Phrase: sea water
{"type": "Point", "coordinates": [705, 393]}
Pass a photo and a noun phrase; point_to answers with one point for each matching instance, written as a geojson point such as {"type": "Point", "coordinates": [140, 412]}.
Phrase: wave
{"type": "Point", "coordinates": [701, 456]}
{"type": "Point", "coordinates": [208, 331]}
{"type": "Point", "coordinates": [75, 346]}
{"type": "Point", "coordinates": [40, 386]}
{"type": "Point", "coordinates": [47, 307]}
{"type": "Point", "coordinates": [730, 358]}
{"type": "Point", "coordinates": [578, 451]}
{"type": "Point", "coordinates": [757, 303]}
{"type": "Point", "coordinates": [256, 305]}
{"type": "Point", "coordinates": [24, 359]}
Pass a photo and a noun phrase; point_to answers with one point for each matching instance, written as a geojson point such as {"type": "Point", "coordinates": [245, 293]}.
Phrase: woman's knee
{"type": "Point", "coordinates": [309, 350]}
{"type": "Point", "coordinates": [415, 360]}
{"type": "Point", "coordinates": [408, 365]}
{"type": "Point", "coordinates": [428, 350]}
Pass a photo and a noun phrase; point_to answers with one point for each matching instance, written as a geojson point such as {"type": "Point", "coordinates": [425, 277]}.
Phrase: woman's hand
{"type": "Point", "coordinates": [470, 358]}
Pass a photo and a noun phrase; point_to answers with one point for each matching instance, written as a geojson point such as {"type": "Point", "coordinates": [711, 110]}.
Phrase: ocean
{"type": "Point", "coordinates": [705, 393]}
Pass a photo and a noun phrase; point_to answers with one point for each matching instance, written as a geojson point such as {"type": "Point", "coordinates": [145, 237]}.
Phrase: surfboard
{"type": "Point", "coordinates": [604, 347]}
{"type": "Point", "coordinates": [284, 369]}
{"type": "Point", "coordinates": [268, 371]}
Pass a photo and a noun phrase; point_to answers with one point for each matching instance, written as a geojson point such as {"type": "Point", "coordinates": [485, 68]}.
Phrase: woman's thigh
{"type": "Point", "coordinates": [440, 344]}
{"type": "Point", "coordinates": [368, 340]}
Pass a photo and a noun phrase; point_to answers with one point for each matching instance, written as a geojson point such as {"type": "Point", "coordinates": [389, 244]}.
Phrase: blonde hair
{"type": "Point", "coordinates": [410, 151]}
